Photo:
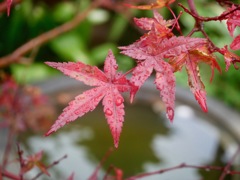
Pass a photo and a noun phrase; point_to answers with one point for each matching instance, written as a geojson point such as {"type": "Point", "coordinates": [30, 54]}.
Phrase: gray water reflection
{"type": "Point", "coordinates": [147, 143]}
{"type": "Point", "coordinates": [192, 141]}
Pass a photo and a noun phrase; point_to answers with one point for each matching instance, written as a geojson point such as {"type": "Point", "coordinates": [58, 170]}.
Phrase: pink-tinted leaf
{"type": "Point", "coordinates": [199, 55]}
{"type": "Point", "coordinates": [165, 83]}
{"type": "Point", "coordinates": [158, 21]}
{"type": "Point", "coordinates": [152, 50]}
{"type": "Point", "coordinates": [118, 173]}
{"type": "Point", "coordinates": [178, 62]}
{"type": "Point", "coordinates": [195, 83]}
{"type": "Point", "coordinates": [191, 61]}
{"type": "Point", "coordinates": [82, 104]}
{"type": "Point", "coordinates": [114, 112]}
{"type": "Point", "coordinates": [141, 72]}
{"type": "Point", "coordinates": [233, 20]}
{"type": "Point", "coordinates": [203, 55]}
{"type": "Point", "coordinates": [162, 48]}
{"type": "Point", "coordinates": [110, 84]}
{"type": "Point", "coordinates": [175, 46]}
{"type": "Point", "coordinates": [32, 161]}
{"type": "Point", "coordinates": [230, 58]}
{"type": "Point", "coordinates": [110, 66]}
{"type": "Point", "coordinates": [235, 45]}
{"type": "Point", "coordinates": [9, 3]}
{"type": "Point", "coordinates": [90, 75]}
{"type": "Point", "coordinates": [42, 167]}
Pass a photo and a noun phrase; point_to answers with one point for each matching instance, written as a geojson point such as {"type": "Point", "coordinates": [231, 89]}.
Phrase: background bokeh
{"type": "Point", "coordinates": [104, 28]}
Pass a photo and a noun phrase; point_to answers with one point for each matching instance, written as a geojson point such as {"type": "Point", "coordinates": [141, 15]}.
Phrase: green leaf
{"type": "Point", "coordinates": [71, 47]}
{"type": "Point", "coordinates": [35, 72]}
{"type": "Point", "coordinates": [63, 11]}
{"type": "Point", "coordinates": [99, 53]}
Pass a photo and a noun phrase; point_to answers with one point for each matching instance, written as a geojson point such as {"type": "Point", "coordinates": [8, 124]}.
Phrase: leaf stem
{"type": "Point", "coordinates": [192, 7]}
{"type": "Point", "coordinates": [94, 175]}
{"type": "Point", "coordinates": [9, 175]}
{"type": "Point", "coordinates": [229, 164]}
{"type": "Point", "coordinates": [20, 153]}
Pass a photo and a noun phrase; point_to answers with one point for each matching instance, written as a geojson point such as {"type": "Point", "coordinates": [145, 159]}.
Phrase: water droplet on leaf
{"type": "Point", "coordinates": [119, 101]}
{"type": "Point", "coordinates": [170, 113]}
{"type": "Point", "coordinates": [115, 67]}
{"type": "Point", "coordinates": [108, 112]}
{"type": "Point", "coordinates": [77, 112]}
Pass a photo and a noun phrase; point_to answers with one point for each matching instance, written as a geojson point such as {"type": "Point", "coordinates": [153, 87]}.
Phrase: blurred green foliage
{"type": "Point", "coordinates": [102, 30]}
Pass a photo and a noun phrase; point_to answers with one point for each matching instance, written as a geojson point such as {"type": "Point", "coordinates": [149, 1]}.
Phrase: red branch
{"type": "Point", "coordinates": [9, 175]}
{"type": "Point", "coordinates": [227, 167]}
{"type": "Point", "coordinates": [199, 22]}
{"type": "Point", "coordinates": [192, 7]}
{"type": "Point", "coordinates": [223, 16]}
{"type": "Point", "coordinates": [20, 153]}
{"type": "Point", "coordinates": [45, 37]}
{"type": "Point", "coordinates": [180, 166]}
{"type": "Point", "coordinates": [94, 175]}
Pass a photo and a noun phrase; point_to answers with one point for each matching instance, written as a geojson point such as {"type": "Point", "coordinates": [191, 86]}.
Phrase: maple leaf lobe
{"type": "Point", "coordinates": [235, 45]}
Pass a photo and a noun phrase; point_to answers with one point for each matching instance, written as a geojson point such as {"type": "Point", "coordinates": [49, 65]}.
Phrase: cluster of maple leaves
{"type": "Point", "coordinates": [158, 49]}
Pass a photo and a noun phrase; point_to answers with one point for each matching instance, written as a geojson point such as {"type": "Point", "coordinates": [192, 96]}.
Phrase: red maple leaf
{"type": "Point", "coordinates": [9, 3]}
{"type": "Point", "coordinates": [190, 60]}
{"type": "Point", "coordinates": [34, 160]}
{"type": "Point", "coordinates": [109, 85]}
{"type": "Point", "coordinates": [230, 58]}
{"type": "Point", "coordinates": [232, 22]}
{"type": "Point", "coordinates": [153, 49]}
{"type": "Point", "coordinates": [235, 45]}
{"type": "Point", "coordinates": [161, 25]}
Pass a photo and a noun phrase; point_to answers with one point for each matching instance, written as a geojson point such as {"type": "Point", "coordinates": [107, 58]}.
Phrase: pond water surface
{"type": "Point", "coordinates": [148, 142]}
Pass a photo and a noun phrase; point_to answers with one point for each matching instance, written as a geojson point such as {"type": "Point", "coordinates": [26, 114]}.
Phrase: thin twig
{"type": "Point", "coordinates": [94, 175]}
{"type": "Point", "coordinates": [45, 37]}
{"type": "Point", "coordinates": [9, 175]}
{"type": "Point", "coordinates": [110, 168]}
{"type": "Point", "coordinates": [229, 164]}
{"type": "Point", "coordinates": [48, 167]}
{"type": "Point", "coordinates": [20, 152]}
{"type": "Point", "coordinates": [223, 16]}
{"type": "Point", "coordinates": [192, 7]}
{"type": "Point", "coordinates": [183, 165]}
